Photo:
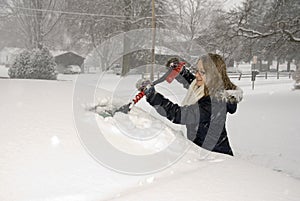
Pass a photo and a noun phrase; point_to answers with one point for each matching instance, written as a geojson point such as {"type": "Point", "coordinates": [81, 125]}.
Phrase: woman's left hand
{"type": "Point", "coordinates": [146, 86]}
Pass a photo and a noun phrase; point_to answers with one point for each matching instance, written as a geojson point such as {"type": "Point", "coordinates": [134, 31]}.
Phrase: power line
{"type": "Point", "coordinates": [64, 12]}
{"type": "Point", "coordinates": [76, 13]}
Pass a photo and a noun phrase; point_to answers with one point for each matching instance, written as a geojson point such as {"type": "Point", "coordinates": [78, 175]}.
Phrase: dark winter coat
{"type": "Point", "coordinates": [205, 120]}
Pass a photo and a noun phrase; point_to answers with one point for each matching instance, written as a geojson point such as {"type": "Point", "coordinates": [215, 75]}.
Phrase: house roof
{"type": "Point", "coordinates": [61, 53]}
{"type": "Point", "coordinates": [57, 52]}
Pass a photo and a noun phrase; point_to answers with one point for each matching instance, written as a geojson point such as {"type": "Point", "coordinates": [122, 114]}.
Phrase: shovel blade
{"type": "Point", "coordinates": [125, 108]}
{"type": "Point", "coordinates": [105, 112]}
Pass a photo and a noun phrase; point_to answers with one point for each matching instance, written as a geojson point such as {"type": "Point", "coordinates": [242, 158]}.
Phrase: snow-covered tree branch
{"type": "Point", "coordinates": [271, 18]}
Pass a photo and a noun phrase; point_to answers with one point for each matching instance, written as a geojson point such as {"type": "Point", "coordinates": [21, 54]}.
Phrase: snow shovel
{"type": "Point", "coordinates": [169, 76]}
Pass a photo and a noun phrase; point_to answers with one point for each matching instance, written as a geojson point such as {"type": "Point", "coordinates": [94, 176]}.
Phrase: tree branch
{"type": "Point", "coordinates": [291, 36]}
{"type": "Point", "coordinates": [254, 33]}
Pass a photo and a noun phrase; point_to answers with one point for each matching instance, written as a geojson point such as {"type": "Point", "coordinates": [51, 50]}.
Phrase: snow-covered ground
{"type": "Point", "coordinates": [265, 130]}
{"type": "Point", "coordinates": [44, 157]}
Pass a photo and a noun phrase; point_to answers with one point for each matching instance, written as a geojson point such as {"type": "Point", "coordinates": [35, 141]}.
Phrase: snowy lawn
{"type": "Point", "coordinates": [265, 129]}
{"type": "Point", "coordinates": [42, 157]}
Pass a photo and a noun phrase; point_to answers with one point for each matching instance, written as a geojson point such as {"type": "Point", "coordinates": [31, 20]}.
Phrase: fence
{"type": "Point", "coordinates": [238, 76]}
{"type": "Point", "coordinates": [265, 75]}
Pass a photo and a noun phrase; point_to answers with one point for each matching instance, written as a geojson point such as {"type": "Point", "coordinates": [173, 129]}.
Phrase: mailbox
{"type": "Point", "coordinates": [253, 75]}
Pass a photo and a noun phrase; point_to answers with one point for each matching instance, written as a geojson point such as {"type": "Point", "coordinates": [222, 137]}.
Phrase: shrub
{"type": "Point", "coordinates": [35, 64]}
{"type": "Point", "coordinates": [20, 66]}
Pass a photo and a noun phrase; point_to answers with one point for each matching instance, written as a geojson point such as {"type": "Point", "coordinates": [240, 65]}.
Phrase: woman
{"type": "Point", "coordinates": [210, 96]}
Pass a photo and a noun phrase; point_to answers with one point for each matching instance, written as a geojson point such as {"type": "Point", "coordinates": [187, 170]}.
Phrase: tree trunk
{"type": "Point", "coordinates": [230, 63]}
{"type": "Point", "coordinates": [288, 66]}
{"type": "Point", "coordinates": [37, 43]}
{"type": "Point", "coordinates": [277, 65]}
{"type": "Point", "coordinates": [260, 64]}
{"type": "Point", "coordinates": [269, 64]}
{"type": "Point", "coordinates": [297, 62]}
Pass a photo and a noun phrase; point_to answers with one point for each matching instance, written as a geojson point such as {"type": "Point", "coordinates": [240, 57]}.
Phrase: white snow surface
{"type": "Point", "coordinates": [42, 157]}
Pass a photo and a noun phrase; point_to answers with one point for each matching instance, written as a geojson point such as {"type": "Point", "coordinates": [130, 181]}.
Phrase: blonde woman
{"type": "Point", "coordinates": [210, 96]}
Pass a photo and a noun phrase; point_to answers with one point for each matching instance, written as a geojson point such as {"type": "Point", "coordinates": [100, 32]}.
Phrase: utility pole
{"type": "Point", "coordinates": [153, 41]}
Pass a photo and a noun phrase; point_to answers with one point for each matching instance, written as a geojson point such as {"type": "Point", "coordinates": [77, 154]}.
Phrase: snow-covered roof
{"type": "Point", "coordinates": [57, 52]}
{"type": "Point", "coordinates": [60, 52]}
{"type": "Point", "coordinates": [11, 50]}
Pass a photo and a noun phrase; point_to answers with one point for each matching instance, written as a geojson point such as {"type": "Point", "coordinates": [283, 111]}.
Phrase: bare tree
{"type": "Point", "coordinates": [193, 16]}
{"type": "Point", "coordinates": [36, 18]}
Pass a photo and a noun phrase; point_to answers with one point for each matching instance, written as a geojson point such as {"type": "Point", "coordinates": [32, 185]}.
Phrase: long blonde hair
{"type": "Point", "coordinates": [216, 74]}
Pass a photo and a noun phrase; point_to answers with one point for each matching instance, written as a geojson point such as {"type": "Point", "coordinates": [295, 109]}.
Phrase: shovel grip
{"type": "Point", "coordinates": [138, 97]}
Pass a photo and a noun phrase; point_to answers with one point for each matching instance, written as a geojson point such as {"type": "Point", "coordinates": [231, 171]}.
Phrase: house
{"type": "Point", "coordinates": [8, 55]}
{"type": "Point", "coordinates": [64, 60]}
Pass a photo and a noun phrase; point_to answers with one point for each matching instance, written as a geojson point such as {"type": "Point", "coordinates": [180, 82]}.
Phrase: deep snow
{"type": "Point", "coordinates": [42, 158]}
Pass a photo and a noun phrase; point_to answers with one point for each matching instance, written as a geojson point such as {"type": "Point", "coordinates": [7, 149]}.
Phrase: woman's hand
{"type": "Point", "coordinates": [146, 86]}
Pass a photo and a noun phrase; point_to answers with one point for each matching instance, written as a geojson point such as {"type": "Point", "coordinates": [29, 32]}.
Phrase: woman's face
{"type": "Point", "coordinates": [200, 74]}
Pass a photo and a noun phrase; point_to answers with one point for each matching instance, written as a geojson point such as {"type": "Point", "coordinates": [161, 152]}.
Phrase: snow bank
{"type": "Point", "coordinates": [42, 158]}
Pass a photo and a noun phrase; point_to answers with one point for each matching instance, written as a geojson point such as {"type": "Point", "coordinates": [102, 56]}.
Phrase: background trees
{"type": "Point", "coordinates": [268, 29]}
{"type": "Point", "coordinates": [35, 19]}
{"type": "Point", "coordinates": [273, 26]}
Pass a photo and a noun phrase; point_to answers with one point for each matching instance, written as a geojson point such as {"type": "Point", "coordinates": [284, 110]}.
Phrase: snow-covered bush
{"type": "Point", "coordinates": [35, 64]}
{"type": "Point", "coordinates": [21, 65]}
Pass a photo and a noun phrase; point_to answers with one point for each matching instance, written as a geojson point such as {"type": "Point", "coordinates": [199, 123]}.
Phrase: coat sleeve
{"type": "Point", "coordinates": [185, 78]}
{"type": "Point", "coordinates": [175, 113]}
{"type": "Point", "coordinates": [231, 107]}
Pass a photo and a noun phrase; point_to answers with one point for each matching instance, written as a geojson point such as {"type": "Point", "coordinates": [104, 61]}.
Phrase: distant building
{"type": "Point", "coordinates": [66, 59]}
{"type": "Point", "coordinates": [8, 55]}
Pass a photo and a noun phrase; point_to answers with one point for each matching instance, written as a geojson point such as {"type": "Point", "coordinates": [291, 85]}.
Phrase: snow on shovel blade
{"type": "Point", "coordinates": [103, 110]}
{"type": "Point", "coordinates": [109, 110]}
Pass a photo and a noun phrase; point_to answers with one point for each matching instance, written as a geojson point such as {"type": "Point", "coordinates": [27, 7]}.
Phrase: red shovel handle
{"type": "Point", "coordinates": [175, 72]}
{"type": "Point", "coordinates": [138, 97]}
